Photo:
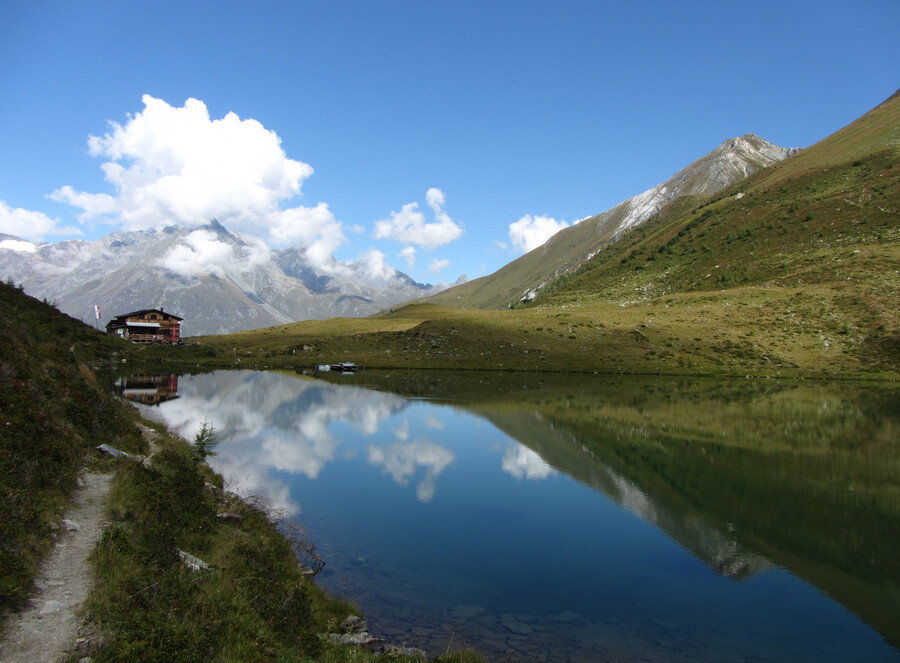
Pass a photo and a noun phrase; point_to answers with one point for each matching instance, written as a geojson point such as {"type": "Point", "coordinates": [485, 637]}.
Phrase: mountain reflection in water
{"type": "Point", "coordinates": [482, 510]}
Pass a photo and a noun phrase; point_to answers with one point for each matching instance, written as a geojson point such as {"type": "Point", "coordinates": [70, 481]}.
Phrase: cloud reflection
{"type": "Point", "coordinates": [523, 463]}
{"type": "Point", "coordinates": [401, 460]}
{"type": "Point", "coordinates": [266, 421]}
{"type": "Point", "coordinates": [402, 431]}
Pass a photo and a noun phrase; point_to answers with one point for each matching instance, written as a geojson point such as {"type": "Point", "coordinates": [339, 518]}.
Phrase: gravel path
{"type": "Point", "coordinates": [47, 629]}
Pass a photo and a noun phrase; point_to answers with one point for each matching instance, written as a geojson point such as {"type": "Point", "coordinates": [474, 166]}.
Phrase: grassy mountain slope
{"type": "Point", "coordinates": [743, 333]}
{"type": "Point", "coordinates": [814, 239]}
{"type": "Point", "coordinates": [52, 414]}
{"type": "Point", "coordinates": [571, 247]}
{"type": "Point", "coordinates": [792, 271]}
{"type": "Point", "coordinates": [826, 215]}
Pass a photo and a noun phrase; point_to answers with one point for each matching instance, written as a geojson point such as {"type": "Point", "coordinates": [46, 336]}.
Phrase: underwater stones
{"type": "Point", "coordinates": [514, 624]}
{"type": "Point", "coordinates": [467, 612]}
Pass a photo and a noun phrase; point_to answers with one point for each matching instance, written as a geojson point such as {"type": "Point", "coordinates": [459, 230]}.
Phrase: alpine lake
{"type": "Point", "coordinates": [548, 517]}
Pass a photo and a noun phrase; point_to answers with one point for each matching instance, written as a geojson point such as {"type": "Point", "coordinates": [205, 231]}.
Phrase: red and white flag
{"type": "Point", "coordinates": [97, 310]}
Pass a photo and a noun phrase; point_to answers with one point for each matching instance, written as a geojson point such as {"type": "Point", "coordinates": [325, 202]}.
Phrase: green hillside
{"type": "Point", "coordinates": [807, 246]}
{"type": "Point", "coordinates": [791, 272]}
{"type": "Point", "coordinates": [828, 215]}
{"type": "Point", "coordinates": [571, 247]}
{"type": "Point", "coordinates": [53, 415]}
{"type": "Point", "coordinates": [561, 252]}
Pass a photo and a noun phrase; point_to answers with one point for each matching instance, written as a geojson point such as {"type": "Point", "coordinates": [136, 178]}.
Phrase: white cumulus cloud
{"type": "Point", "coordinates": [410, 227]}
{"type": "Point", "coordinates": [409, 255]}
{"type": "Point", "coordinates": [201, 252]}
{"type": "Point", "coordinates": [530, 232]}
{"type": "Point", "coordinates": [30, 225]}
{"type": "Point", "coordinates": [93, 204]}
{"type": "Point", "coordinates": [172, 165]}
{"type": "Point", "coordinates": [437, 265]}
{"type": "Point", "coordinates": [316, 227]}
{"type": "Point", "coordinates": [376, 269]}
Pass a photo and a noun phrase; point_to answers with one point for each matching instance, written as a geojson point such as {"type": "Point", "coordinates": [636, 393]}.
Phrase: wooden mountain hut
{"type": "Point", "coordinates": [150, 325]}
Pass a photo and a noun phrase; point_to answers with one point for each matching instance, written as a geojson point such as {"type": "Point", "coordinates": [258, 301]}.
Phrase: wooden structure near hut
{"type": "Point", "coordinates": [150, 325]}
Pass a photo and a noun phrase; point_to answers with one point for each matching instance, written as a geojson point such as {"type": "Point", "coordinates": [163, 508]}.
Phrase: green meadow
{"type": "Point", "coordinates": [793, 272]}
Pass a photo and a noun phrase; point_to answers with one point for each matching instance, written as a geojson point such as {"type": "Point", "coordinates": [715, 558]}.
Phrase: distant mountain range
{"type": "Point", "coordinates": [571, 247]}
{"type": "Point", "coordinates": [243, 288]}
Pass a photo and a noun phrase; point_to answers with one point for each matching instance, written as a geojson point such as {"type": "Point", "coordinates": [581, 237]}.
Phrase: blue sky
{"type": "Point", "coordinates": [411, 134]}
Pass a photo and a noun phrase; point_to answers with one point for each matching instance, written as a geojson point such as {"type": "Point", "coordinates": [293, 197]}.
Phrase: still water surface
{"type": "Point", "coordinates": [577, 519]}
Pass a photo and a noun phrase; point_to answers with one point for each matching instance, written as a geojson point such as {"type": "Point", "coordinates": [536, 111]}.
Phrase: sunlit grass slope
{"type": "Point", "coordinates": [792, 272]}
{"type": "Point", "coordinates": [750, 331]}
{"type": "Point", "coordinates": [816, 237]}
{"type": "Point", "coordinates": [827, 215]}
{"type": "Point", "coordinates": [569, 248]}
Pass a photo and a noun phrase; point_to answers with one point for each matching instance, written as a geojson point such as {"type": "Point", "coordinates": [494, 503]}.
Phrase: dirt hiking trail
{"type": "Point", "coordinates": [47, 629]}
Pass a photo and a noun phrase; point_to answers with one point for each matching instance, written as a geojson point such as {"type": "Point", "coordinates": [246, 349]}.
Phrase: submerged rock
{"type": "Point", "coordinates": [515, 625]}
{"type": "Point", "coordinates": [467, 612]}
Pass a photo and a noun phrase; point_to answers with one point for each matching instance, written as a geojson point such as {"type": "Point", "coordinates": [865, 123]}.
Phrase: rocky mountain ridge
{"type": "Point", "coordinates": [217, 281]}
{"type": "Point", "coordinates": [571, 247]}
